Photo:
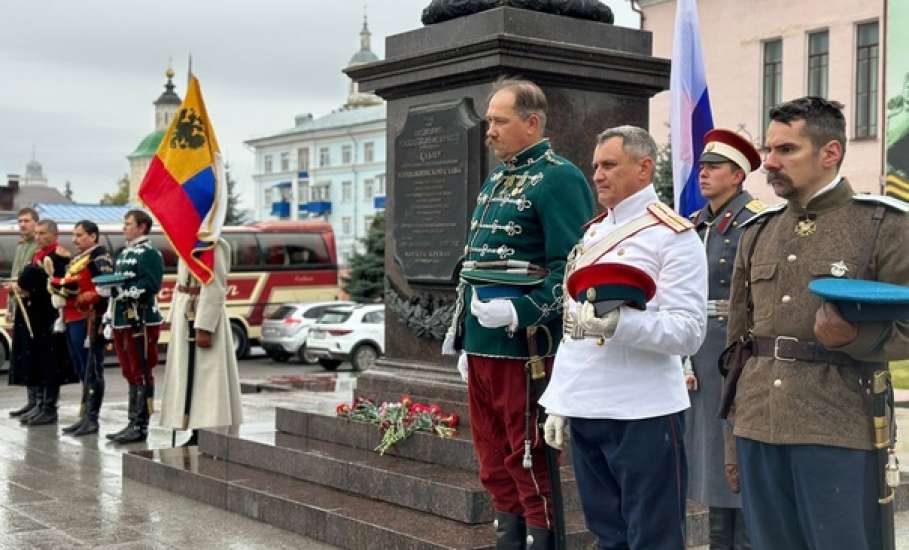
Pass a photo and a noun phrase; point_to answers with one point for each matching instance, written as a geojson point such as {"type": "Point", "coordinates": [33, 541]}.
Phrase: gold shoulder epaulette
{"type": "Point", "coordinates": [755, 206]}
{"type": "Point", "coordinates": [670, 217]}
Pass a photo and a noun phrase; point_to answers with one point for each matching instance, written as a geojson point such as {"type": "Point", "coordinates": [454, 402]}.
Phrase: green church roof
{"type": "Point", "coordinates": [149, 146]}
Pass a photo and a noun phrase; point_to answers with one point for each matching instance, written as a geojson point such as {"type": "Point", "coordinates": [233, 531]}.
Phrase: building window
{"type": "Point", "coordinates": [380, 184]}
{"type": "Point", "coordinates": [368, 189]}
{"type": "Point", "coordinates": [345, 154]}
{"type": "Point", "coordinates": [324, 156]}
{"type": "Point", "coordinates": [818, 63]}
{"type": "Point", "coordinates": [303, 159]}
{"type": "Point", "coordinates": [345, 225]}
{"type": "Point", "coordinates": [285, 162]}
{"type": "Point", "coordinates": [321, 192]}
{"type": "Point", "coordinates": [303, 192]}
{"type": "Point", "coordinates": [367, 222]}
{"type": "Point", "coordinates": [369, 151]}
{"type": "Point", "coordinates": [346, 191]}
{"type": "Point", "coordinates": [773, 77]}
{"type": "Point", "coordinates": [268, 165]}
{"type": "Point", "coordinates": [866, 69]}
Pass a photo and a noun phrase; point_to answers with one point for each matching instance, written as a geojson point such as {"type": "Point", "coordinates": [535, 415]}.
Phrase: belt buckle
{"type": "Point", "coordinates": [776, 348]}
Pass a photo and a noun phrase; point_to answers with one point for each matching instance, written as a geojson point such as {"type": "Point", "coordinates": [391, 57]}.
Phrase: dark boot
{"type": "Point", "coordinates": [138, 431]}
{"type": "Point", "coordinates": [540, 538]}
{"type": "Point", "coordinates": [193, 440]}
{"type": "Point", "coordinates": [92, 409]}
{"type": "Point", "coordinates": [31, 392]}
{"type": "Point", "coordinates": [131, 408]}
{"type": "Point", "coordinates": [741, 534]}
{"type": "Point", "coordinates": [48, 414]}
{"type": "Point", "coordinates": [510, 531]}
{"type": "Point", "coordinates": [36, 410]}
{"type": "Point", "coordinates": [722, 527]}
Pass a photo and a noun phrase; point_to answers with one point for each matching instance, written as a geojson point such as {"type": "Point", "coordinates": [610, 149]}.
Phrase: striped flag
{"type": "Point", "coordinates": [185, 188]}
{"type": "Point", "coordinates": [691, 117]}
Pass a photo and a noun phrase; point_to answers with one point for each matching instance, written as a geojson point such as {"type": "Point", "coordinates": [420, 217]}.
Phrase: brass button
{"type": "Point", "coordinates": [466, 249]}
{"type": "Point", "coordinates": [727, 241]}
{"type": "Point", "coordinates": [791, 258]}
{"type": "Point", "coordinates": [721, 319]}
{"type": "Point", "coordinates": [474, 224]}
{"type": "Point", "coordinates": [777, 383]}
{"type": "Point", "coordinates": [722, 281]}
{"type": "Point", "coordinates": [591, 294]}
{"type": "Point", "coordinates": [621, 252]}
{"type": "Point", "coordinates": [787, 298]}
{"type": "Point", "coordinates": [722, 261]}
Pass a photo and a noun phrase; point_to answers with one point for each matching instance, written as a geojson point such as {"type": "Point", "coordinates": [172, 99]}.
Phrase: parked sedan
{"type": "Point", "coordinates": [284, 330]}
{"type": "Point", "coordinates": [349, 333]}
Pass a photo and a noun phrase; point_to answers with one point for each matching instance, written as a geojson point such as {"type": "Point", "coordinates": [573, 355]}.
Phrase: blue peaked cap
{"type": "Point", "coordinates": [861, 300]}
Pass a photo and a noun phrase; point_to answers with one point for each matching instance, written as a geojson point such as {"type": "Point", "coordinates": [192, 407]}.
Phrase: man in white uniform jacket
{"type": "Point", "coordinates": [617, 381]}
{"type": "Point", "coordinates": [216, 383]}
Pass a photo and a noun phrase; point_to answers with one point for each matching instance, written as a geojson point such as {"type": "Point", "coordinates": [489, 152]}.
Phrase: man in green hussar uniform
{"type": "Point", "coordinates": [25, 251]}
{"type": "Point", "coordinates": [137, 321]}
{"type": "Point", "coordinates": [528, 216]}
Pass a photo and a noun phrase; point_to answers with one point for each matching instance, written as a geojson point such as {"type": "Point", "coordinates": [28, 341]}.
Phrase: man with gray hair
{"type": "Point", "coordinates": [635, 303]}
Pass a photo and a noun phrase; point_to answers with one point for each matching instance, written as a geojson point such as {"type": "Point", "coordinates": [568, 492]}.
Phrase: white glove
{"type": "Point", "coordinates": [59, 302]}
{"type": "Point", "coordinates": [448, 343]}
{"type": "Point", "coordinates": [593, 325]}
{"type": "Point", "coordinates": [108, 332]}
{"type": "Point", "coordinates": [494, 313]}
{"type": "Point", "coordinates": [462, 366]}
{"type": "Point", "coordinates": [555, 431]}
{"type": "Point", "coordinates": [103, 291]}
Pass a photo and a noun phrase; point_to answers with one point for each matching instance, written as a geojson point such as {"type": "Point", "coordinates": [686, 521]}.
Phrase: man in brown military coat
{"type": "Point", "coordinates": [803, 418]}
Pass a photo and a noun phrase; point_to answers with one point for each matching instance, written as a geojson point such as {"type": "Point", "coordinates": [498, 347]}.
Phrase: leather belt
{"type": "Point", "coordinates": [191, 290]}
{"type": "Point", "coordinates": [787, 348]}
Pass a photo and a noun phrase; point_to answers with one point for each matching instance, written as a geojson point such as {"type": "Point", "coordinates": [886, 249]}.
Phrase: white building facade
{"type": "Point", "coordinates": [331, 167]}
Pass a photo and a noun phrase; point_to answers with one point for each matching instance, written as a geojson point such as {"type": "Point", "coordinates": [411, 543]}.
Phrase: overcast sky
{"type": "Point", "coordinates": [79, 76]}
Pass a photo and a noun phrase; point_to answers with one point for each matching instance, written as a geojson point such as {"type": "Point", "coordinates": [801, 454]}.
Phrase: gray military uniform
{"type": "Point", "coordinates": [720, 232]}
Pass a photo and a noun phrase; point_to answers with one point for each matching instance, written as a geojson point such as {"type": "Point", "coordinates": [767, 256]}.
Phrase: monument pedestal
{"type": "Point", "coordinates": [595, 76]}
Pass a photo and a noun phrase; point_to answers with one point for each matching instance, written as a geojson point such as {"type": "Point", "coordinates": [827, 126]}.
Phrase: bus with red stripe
{"type": "Point", "coordinates": [272, 263]}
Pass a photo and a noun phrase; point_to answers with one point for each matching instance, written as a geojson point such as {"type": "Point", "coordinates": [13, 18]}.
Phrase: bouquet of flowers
{"type": "Point", "coordinates": [398, 420]}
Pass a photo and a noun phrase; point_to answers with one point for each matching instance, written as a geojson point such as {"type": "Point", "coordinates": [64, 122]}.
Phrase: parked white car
{"type": "Point", "coordinates": [285, 329]}
{"type": "Point", "coordinates": [348, 333]}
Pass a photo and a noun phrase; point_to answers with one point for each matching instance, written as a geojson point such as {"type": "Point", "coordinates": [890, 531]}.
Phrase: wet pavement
{"type": "Point", "coordinates": [62, 492]}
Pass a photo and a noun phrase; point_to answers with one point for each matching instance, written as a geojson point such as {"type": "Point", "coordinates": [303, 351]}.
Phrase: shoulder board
{"type": "Point", "coordinates": [756, 206]}
{"type": "Point", "coordinates": [551, 157]}
{"type": "Point", "coordinates": [776, 208]}
{"type": "Point", "coordinates": [891, 202]}
{"type": "Point", "coordinates": [596, 219]}
{"type": "Point", "coordinates": [669, 217]}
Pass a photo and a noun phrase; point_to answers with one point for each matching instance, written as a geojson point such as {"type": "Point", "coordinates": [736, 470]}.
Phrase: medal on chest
{"type": "Point", "coordinates": [806, 226]}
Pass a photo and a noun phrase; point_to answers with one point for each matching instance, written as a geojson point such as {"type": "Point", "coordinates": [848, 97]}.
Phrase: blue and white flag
{"type": "Point", "coordinates": [691, 117]}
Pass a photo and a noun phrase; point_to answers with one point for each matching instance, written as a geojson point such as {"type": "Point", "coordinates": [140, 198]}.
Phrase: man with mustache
{"type": "Point", "coordinates": [727, 160]}
{"type": "Point", "coordinates": [803, 405]}
{"type": "Point", "coordinates": [528, 216]}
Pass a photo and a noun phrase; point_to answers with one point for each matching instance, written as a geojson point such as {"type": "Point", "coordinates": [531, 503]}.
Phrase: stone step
{"type": "Point", "coordinates": [443, 491]}
{"type": "Point", "coordinates": [328, 515]}
{"type": "Point", "coordinates": [456, 452]}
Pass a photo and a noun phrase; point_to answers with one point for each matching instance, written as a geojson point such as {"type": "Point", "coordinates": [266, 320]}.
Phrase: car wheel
{"type": "Point", "coordinates": [241, 341]}
{"type": "Point", "coordinates": [363, 356]}
{"type": "Point", "coordinates": [305, 356]}
{"type": "Point", "coordinates": [329, 364]}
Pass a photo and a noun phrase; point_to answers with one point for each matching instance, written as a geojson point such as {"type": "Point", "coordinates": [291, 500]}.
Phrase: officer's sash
{"type": "Point", "coordinates": [589, 256]}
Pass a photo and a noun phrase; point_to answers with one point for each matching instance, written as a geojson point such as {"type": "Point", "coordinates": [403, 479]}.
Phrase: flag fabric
{"type": "Point", "coordinates": [691, 117]}
{"type": "Point", "coordinates": [184, 187]}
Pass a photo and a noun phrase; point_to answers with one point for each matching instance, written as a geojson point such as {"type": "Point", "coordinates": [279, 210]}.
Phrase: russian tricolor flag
{"type": "Point", "coordinates": [185, 188]}
{"type": "Point", "coordinates": [691, 117]}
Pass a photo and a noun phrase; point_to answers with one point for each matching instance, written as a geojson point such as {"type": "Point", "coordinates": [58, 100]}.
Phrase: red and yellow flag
{"type": "Point", "coordinates": [185, 188]}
